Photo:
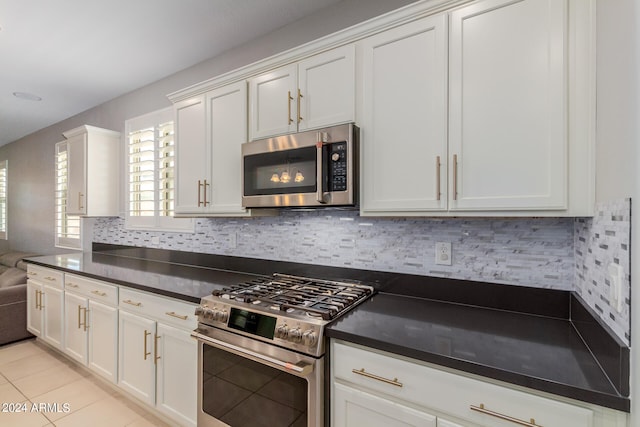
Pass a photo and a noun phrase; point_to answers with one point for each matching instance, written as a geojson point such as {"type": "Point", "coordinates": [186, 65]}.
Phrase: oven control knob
{"type": "Point", "coordinates": [223, 316]}
{"type": "Point", "coordinates": [309, 338]}
{"type": "Point", "coordinates": [282, 331]}
{"type": "Point", "coordinates": [295, 335]}
{"type": "Point", "coordinates": [335, 157]}
{"type": "Point", "coordinates": [208, 313]}
{"type": "Point", "coordinates": [199, 311]}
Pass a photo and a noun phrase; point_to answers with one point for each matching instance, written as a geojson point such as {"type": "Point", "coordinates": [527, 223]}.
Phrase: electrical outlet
{"type": "Point", "coordinates": [443, 253]}
{"type": "Point", "coordinates": [616, 279]}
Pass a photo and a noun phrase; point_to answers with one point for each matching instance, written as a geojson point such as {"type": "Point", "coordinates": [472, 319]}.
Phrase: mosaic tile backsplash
{"type": "Point", "coordinates": [599, 242]}
{"type": "Point", "coordinates": [529, 252]}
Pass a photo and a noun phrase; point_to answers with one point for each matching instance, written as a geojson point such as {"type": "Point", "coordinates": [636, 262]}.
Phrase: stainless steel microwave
{"type": "Point", "coordinates": [306, 169]}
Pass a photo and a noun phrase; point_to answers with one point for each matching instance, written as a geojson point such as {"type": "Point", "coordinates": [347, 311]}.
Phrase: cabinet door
{"type": "Point", "coordinates": [136, 369]}
{"type": "Point", "coordinates": [507, 105]}
{"type": "Point", "coordinates": [34, 313]}
{"type": "Point", "coordinates": [75, 329]}
{"type": "Point", "coordinates": [191, 155]}
{"type": "Point", "coordinates": [52, 315]}
{"type": "Point", "coordinates": [76, 175]}
{"type": "Point", "coordinates": [447, 423]}
{"type": "Point", "coordinates": [404, 119]}
{"type": "Point", "coordinates": [103, 340]}
{"type": "Point", "coordinates": [353, 407]}
{"type": "Point", "coordinates": [273, 97]}
{"type": "Point", "coordinates": [227, 113]}
{"type": "Point", "coordinates": [177, 374]}
{"type": "Point", "coordinates": [327, 89]}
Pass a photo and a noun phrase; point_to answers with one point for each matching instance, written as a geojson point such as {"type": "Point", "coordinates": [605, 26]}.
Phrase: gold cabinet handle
{"type": "Point", "coordinates": [86, 325]}
{"type": "Point", "coordinates": [483, 410]}
{"type": "Point", "coordinates": [205, 203]}
{"type": "Point", "coordinates": [199, 199]}
{"type": "Point", "coordinates": [49, 278]}
{"type": "Point", "coordinates": [455, 177]}
{"type": "Point", "coordinates": [100, 294]}
{"type": "Point", "coordinates": [173, 314]}
{"type": "Point", "coordinates": [155, 349]}
{"type": "Point", "coordinates": [71, 285]}
{"type": "Point", "coordinates": [289, 99]}
{"type": "Point", "coordinates": [79, 310]}
{"type": "Point", "coordinates": [362, 372]}
{"type": "Point", "coordinates": [136, 304]}
{"type": "Point", "coordinates": [438, 193]}
{"type": "Point", "coordinates": [37, 299]}
{"type": "Point", "coordinates": [80, 196]}
{"type": "Point", "coordinates": [146, 353]}
{"type": "Point", "coordinates": [299, 102]}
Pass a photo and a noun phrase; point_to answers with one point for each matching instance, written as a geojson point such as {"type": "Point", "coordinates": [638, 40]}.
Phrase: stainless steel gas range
{"type": "Point", "coordinates": [261, 349]}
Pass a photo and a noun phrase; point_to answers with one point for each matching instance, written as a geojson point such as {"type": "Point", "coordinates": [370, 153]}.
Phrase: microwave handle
{"type": "Point", "coordinates": [319, 173]}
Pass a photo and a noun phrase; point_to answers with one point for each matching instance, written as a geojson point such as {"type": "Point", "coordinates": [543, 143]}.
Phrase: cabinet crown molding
{"type": "Point", "coordinates": [339, 38]}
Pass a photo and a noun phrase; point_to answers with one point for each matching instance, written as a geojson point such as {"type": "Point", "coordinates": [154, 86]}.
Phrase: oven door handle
{"type": "Point", "coordinates": [303, 369]}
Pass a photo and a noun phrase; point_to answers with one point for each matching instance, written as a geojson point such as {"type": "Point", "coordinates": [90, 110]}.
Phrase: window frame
{"type": "Point", "coordinates": [4, 200]}
{"type": "Point", "coordinates": [62, 220]}
{"type": "Point", "coordinates": [155, 222]}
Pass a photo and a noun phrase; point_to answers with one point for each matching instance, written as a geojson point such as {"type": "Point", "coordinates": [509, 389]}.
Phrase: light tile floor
{"type": "Point", "coordinates": [39, 387]}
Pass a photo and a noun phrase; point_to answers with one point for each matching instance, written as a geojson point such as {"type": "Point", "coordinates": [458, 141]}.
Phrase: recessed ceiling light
{"type": "Point", "coordinates": [27, 96]}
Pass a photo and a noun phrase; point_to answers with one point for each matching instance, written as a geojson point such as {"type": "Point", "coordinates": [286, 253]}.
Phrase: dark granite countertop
{"type": "Point", "coordinates": [538, 338]}
{"type": "Point", "coordinates": [540, 352]}
{"type": "Point", "coordinates": [185, 282]}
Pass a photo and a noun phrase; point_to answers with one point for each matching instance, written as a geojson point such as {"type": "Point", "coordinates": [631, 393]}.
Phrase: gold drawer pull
{"type": "Point", "coordinates": [128, 301]}
{"type": "Point", "coordinates": [173, 314]}
{"type": "Point", "coordinates": [100, 294]}
{"type": "Point", "coordinates": [518, 421]}
{"type": "Point", "coordinates": [72, 285]}
{"type": "Point", "coordinates": [362, 372]}
{"type": "Point", "coordinates": [49, 278]}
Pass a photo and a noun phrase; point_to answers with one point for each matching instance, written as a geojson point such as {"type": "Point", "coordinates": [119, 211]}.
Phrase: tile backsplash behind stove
{"type": "Point", "coordinates": [528, 252]}
{"type": "Point", "coordinates": [557, 253]}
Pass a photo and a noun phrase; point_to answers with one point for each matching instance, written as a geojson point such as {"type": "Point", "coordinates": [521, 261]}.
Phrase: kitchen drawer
{"type": "Point", "coordinates": [46, 276]}
{"type": "Point", "coordinates": [165, 310]}
{"type": "Point", "coordinates": [94, 289]}
{"type": "Point", "coordinates": [450, 393]}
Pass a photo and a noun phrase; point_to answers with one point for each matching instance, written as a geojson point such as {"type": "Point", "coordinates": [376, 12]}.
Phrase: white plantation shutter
{"type": "Point", "coordinates": [3, 198]}
{"type": "Point", "coordinates": [68, 232]}
{"type": "Point", "coordinates": [150, 173]}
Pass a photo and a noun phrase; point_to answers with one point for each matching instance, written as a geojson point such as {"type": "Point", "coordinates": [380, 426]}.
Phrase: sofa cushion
{"type": "Point", "coordinates": [10, 259]}
{"type": "Point", "coordinates": [13, 276]}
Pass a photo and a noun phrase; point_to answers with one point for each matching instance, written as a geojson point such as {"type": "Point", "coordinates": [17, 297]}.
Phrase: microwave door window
{"type": "Point", "coordinates": [280, 172]}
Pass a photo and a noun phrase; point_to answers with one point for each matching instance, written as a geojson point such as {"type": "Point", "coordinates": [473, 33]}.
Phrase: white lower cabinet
{"type": "Point", "coordinates": [374, 388]}
{"type": "Point", "coordinates": [45, 304]}
{"type": "Point", "coordinates": [354, 407]}
{"type": "Point", "coordinates": [157, 356]}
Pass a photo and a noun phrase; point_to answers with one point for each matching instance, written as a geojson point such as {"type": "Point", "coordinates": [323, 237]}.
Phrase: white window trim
{"type": "Point", "coordinates": [4, 201]}
{"type": "Point", "coordinates": [155, 222]}
{"type": "Point", "coordinates": [61, 240]}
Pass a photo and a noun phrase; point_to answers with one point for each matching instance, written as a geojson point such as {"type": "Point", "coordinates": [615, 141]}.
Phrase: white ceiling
{"type": "Point", "coordinates": [76, 54]}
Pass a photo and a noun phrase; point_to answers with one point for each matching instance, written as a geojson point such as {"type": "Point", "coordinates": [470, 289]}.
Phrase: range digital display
{"type": "Point", "coordinates": [253, 323]}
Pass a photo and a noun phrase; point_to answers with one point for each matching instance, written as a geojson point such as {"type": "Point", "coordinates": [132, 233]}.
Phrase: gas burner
{"type": "Point", "coordinates": [317, 298]}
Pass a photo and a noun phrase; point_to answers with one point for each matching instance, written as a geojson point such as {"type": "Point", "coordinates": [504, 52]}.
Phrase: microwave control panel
{"type": "Point", "coordinates": [337, 166]}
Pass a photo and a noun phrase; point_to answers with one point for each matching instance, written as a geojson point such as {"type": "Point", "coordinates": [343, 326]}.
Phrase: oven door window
{"type": "Point", "coordinates": [241, 392]}
{"type": "Point", "coordinates": [280, 172]}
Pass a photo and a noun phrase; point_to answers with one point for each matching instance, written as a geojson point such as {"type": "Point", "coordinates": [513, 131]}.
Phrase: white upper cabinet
{"type": "Point", "coordinates": [508, 107]}
{"type": "Point", "coordinates": [491, 116]}
{"type": "Point", "coordinates": [404, 118]}
{"type": "Point", "coordinates": [315, 92]}
{"type": "Point", "coordinates": [210, 129]}
{"type": "Point", "coordinates": [192, 148]}
{"type": "Point", "coordinates": [93, 171]}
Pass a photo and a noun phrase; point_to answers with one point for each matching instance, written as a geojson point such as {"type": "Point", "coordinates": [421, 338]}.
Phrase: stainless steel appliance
{"type": "Point", "coordinates": [261, 350]}
{"type": "Point", "coordinates": [314, 168]}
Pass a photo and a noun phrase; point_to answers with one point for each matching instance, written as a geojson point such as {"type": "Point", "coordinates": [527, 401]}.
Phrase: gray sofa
{"type": "Point", "coordinates": [13, 297]}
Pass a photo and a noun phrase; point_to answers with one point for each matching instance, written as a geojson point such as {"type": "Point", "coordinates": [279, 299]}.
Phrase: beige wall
{"type": "Point", "coordinates": [31, 159]}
